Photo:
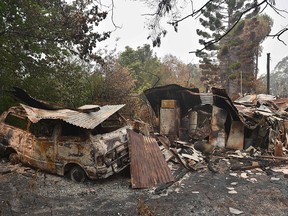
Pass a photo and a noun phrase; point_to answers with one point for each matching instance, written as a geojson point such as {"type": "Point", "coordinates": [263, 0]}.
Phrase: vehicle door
{"type": "Point", "coordinates": [43, 156]}
{"type": "Point", "coordinates": [74, 146]}
{"type": "Point", "coordinates": [15, 134]}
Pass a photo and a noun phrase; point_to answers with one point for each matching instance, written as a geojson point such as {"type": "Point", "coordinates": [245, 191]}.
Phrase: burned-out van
{"type": "Point", "coordinates": [88, 142]}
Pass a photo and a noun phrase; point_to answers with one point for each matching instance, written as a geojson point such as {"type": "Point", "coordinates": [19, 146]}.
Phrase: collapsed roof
{"type": "Point", "coordinates": [85, 120]}
{"type": "Point", "coordinates": [252, 116]}
{"type": "Point", "coordinates": [87, 116]}
{"type": "Point", "coordinates": [187, 97]}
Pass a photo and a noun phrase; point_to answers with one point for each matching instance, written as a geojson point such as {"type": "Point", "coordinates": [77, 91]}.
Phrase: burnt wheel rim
{"type": "Point", "coordinates": [77, 175]}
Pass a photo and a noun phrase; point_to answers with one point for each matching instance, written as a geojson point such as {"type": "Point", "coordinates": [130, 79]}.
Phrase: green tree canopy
{"type": "Point", "coordinates": [279, 78]}
{"type": "Point", "coordinates": [242, 48]}
{"type": "Point", "coordinates": [142, 64]}
{"type": "Point", "coordinates": [37, 36]}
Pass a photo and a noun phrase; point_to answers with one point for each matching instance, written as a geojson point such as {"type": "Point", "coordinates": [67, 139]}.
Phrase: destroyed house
{"type": "Point", "coordinates": [186, 114]}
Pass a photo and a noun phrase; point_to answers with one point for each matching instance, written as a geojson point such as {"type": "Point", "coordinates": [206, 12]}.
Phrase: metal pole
{"type": "Point", "coordinates": [241, 87]}
{"type": "Point", "coordinates": [268, 73]}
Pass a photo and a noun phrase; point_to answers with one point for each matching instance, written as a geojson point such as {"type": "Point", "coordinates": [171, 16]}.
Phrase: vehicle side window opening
{"type": "Point", "coordinates": [43, 128]}
{"type": "Point", "coordinates": [72, 130]}
{"type": "Point", "coordinates": [17, 121]}
{"type": "Point", "coordinates": [113, 123]}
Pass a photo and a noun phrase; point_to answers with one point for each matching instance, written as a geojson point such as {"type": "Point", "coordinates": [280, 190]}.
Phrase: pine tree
{"type": "Point", "coordinates": [217, 18]}
{"type": "Point", "coordinates": [239, 54]}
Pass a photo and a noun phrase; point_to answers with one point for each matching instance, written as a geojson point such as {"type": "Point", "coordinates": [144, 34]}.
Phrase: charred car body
{"type": "Point", "coordinates": [88, 142]}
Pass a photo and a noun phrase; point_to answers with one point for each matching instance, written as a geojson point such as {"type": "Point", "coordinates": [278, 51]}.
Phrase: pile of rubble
{"type": "Point", "coordinates": [194, 131]}
{"type": "Point", "coordinates": [201, 131]}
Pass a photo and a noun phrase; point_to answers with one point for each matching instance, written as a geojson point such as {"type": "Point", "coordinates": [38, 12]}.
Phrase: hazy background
{"type": "Point", "coordinates": [129, 15]}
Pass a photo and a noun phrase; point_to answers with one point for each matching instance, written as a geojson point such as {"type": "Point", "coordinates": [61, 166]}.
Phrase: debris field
{"type": "Point", "coordinates": [203, 154]}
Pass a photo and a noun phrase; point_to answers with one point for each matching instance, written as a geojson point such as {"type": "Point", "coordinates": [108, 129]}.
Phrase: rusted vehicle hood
{"type": "Point", "coordinates": [103, 143]}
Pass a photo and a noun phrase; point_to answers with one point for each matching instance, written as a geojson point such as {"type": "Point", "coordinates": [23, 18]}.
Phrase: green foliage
{"type": "Point", "coordinates": [6, 101]}
{"type": "Point", "coordinates": [233, 76]}
{"type": "Point", "coordinates": [203, 33]}
{"type": "Point", "coordinates": [224, 50]}
{"type": "Point", "coordinates": [216, 19]}
{"type": "Point", "coordinates": [218, 16]}
{"type": "Point", "coordinates": [238, 29]}
{"type": "Point", "coordinates": [279, 79]}
{"type": "Point", "coordinates": [143, 65]}
{"type": "Point", "coordinates": [241, 48]}
{"type": "Point", "coordinates": [235, 65]}
{"type": "Point", "coordinates": [37, 37]}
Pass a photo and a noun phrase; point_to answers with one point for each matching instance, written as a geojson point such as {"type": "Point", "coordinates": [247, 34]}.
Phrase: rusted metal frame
{"type": "Point", "coordinates": [273, 133]}
{"type": "Point", "coordinates": [114, 161]}
{"type": "Point", "coordinates": [254, 164]}
{"type": "Point", "coordinates": [117, 157]}
{"type": "Point", "coordinates": [261, 163]}
{"type": "Point", "coordinates": [17, 111]}
{"type": "Point", "coordinates": [28, 126]}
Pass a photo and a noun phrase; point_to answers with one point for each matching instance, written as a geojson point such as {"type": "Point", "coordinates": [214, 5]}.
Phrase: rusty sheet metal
{"type": "Point", "coordinates": [282, 103]}
{"type": "Point", "coordinates": [222, 100]}
{"type": "Point", "coordinates": [254, 98]}
{"type": "Point", "coordinates": [147, 164]}
{"type": "Point", "coordinates": [247, 99]}
{"type": "Point", "coordinates": [217, 135]}
{"type": "Point", "coordinates": [169, 121]}
{"type": "Point", "coordinates": [80, 119]}
{"type": "Point", "coordinates": [236, 136]}
{"type": "Point", "coordinates": [40, 104]}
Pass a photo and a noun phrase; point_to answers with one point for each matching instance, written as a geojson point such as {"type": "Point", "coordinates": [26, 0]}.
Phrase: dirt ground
{"type": "Point", "coordinates": [24, 191]}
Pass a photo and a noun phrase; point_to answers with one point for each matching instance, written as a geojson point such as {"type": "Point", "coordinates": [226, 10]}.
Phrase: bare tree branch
{"type": "Point", "coordinates": [279, 34]}
{"type": "Point", "coordinates": [112, 16]}
{"type": "Point", "coordinates": [192, 14]}
{"type": "Point", "coordinates": [164, 7]}
{"type": "Point", "coordinates": [215, 40]}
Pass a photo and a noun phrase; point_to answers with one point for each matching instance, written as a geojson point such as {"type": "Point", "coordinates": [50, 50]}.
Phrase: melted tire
{"type": "Point", "coordinates": [77, 174]}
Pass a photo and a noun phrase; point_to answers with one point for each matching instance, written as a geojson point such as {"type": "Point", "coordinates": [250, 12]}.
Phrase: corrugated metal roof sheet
{"type": "Point", "coordinates": [80, 119]}
{"type": "Point", "coordinates": [147, 164]}
{"type": "Point", "coordinates": [187, 97]}
{"type": "Point", "coordinates": [206, 98]}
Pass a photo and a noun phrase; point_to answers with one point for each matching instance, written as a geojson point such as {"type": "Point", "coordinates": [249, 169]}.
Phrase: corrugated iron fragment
{"type": "Point", "coordinates": [80, 119]}
{"type": "Point", "coordinates": [236, 136]}
{"type": "Point", "coordinates": [218, 135]}
{"type": "Point", "coordinates": [147, 164]}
